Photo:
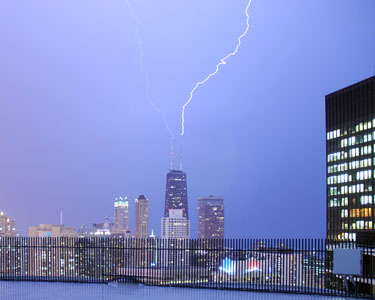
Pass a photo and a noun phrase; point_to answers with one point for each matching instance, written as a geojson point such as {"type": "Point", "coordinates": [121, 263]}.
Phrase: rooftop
{"type": "Point", "coordinates": [46, 290]}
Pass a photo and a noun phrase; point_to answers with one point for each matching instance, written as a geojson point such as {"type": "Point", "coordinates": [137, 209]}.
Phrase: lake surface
{"type": "Point", "coordinates": [12, 290]}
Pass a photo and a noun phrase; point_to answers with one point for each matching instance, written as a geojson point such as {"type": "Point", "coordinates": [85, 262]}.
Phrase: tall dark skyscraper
{"type": "Point", "coordinates": [350, 147]}
{"type": "Point", "coordinates": [176, 192]}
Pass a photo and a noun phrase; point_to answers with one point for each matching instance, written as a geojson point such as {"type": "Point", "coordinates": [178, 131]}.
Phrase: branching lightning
{"type": "Point", "coordinates": [222, 62]}
{"type": "Point", "coordinates": [144, 71]}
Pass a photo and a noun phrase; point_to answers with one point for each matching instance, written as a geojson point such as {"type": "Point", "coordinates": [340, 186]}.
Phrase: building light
{"type": "Point", "coordinates": [344, 213]}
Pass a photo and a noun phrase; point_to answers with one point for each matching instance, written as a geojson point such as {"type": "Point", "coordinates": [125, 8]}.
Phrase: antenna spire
{"type": "Point", "coordinates": [171, 153]}
{"type": "Point", "coordinates": [61, 217]}
{"type": "Point", "coordinates": [181, 155]}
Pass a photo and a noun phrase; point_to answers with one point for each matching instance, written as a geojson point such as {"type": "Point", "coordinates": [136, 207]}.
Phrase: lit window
{"type": "Point", "coordinates": [352, 141]}
{"type": "Point", "coordinates": [366, 199]}
{"type": "Point", "coordinates": [366, 150]}
{"type": "Point", "coordinates": [355, 213]}
{"type": "Point", "coordinates": [354, 152]}
{"type": "Point", "coordinates": [333, 203]}
{"type": "Point", "coordinates": [360, 224]}
{"type": "Point", "coordinates": [367, 138]}
{"type": "Point", "coordinates": [344, 143]}
{"type": "Point", "coordinates": [344, 190]}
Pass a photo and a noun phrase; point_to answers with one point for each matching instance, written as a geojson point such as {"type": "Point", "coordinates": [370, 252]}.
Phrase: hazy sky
{"type": "Point", "coordinates": [76, 128]}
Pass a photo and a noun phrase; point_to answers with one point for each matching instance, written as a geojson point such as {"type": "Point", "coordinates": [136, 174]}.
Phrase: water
{"type": "Point", "coordinates": [12, 290]}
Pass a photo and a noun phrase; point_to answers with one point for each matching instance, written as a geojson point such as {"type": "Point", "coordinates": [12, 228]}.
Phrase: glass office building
{"type": "Point", "coordinates": [350, 150]}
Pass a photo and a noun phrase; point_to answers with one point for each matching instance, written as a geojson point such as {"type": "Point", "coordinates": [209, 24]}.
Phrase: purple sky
{"type": "Point", "coordinates": [76, 129]}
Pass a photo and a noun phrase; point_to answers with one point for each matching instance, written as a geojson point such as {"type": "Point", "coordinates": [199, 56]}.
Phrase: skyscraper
{"type": "Point", "coordinates": [121, 213]}
{"type": "Point", "coordinates": [176, 192]}
{"type": "Point", "coordinates": [350, 147]}
{"type": "Point", "coordinates": [210, 218]}
{"type": "Point", "coordinates": [141, 217]}
{"type": "Point", "coordinates": [7, 226]}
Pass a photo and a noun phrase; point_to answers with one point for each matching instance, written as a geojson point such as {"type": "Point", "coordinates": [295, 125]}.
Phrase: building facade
{"type": "Point", "coordinates": [11, 259]}
{"type": "Point", "coordinates": [350, 147]}
{"type": "Point", "coordinates": [175, 234]}
{"type": "Point", "coordinates": [121, 214]}
{"type": "Point", "coordinates": [51, 230]}
{"type": "Point", "coordinates": [105, 229]}
{"type": "Point", "coordinates": [210, 218]}
{"type": "Point", "coordinates": [176, 192]}
{"type": "Point", "coordinates": [7, 226]}
{"type": "Point", "coordinates": [141, 217]}
{"type": "Point", "coordinates": [49, 256]}
{"type": "Point", "coordinates": [175, 226]}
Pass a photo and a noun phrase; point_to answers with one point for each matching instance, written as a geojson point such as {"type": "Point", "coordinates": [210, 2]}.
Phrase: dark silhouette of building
{"type": "Point", "coordinates": [210, 218]}
{"type": "Point", "coordinates": [176, 192]}
{"type": "Point", "coordinates": [350, 149]}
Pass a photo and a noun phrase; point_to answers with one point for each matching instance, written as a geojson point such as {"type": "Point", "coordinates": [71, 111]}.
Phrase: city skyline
{"type": "Point", "coordinates": [77, 130]}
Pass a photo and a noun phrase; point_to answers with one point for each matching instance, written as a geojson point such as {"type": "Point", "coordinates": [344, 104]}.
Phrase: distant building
{"type": "Point", "coordinates": [176, 192]}
{"type": "Point", "coordinates": [350, 149]}
{"type": "Point", "coordinates": [210, 218]}
{"type": "Point", "coordinates": [141, 217]}
{"type": "Point", "coordinates": [121, 213]}
{"type": "Point", "coordinates": [175, 226]}
{"type": "Point", "coordinates": [47, 261]}
{"type": "Point", "coordinates": [104, 229]}
{"type": "Point", "coordinates": [84, 232]}
{"type": "Point", "coordinates": [51, 230]}
{"type": "Point", "coordinates": [11, 259]}
{"type": "Point", "coordinates": [128, 235]}
{"type": "Point", "coordinates": [7, 226]}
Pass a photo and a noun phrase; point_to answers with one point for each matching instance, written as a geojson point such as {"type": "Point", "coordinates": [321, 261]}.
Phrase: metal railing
{"type": "Point", "coordinates": [279, 265]}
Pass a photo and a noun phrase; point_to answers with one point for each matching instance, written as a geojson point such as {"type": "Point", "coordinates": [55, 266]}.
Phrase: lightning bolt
{"type": "Point", "coordinates": [144, 71]}
{"type": "Point", "coordinates": [222, 62]}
